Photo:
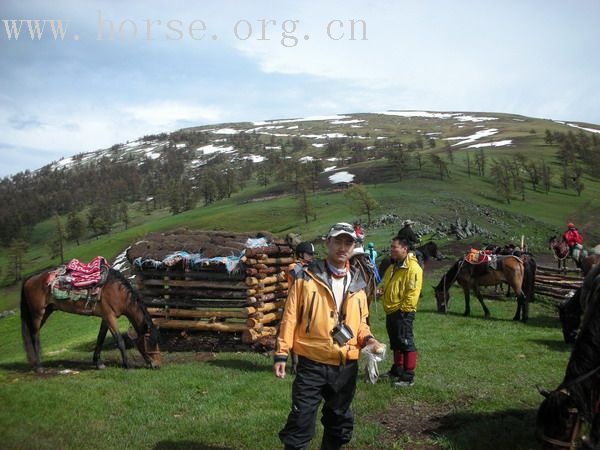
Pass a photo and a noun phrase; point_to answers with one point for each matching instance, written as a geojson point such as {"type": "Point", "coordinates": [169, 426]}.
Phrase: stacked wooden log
{"type": "Point", "coordinates": [246, 302]}
{"type": "Point", "coordinates": [555, 283]}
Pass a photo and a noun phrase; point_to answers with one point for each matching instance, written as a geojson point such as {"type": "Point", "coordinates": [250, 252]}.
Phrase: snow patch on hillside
{"type": "Point", "coordinates": [255, 158]}
{"type": "Point", "coordinates": [305, 119]}
{"type": "Point", "coordinates": [591, 130]}
{"type": "Point", "coordinates": [344, 122]}
{"type": "Point", "coordinates": [492, 144]}
{"type": "Point", "coordinates": [209, 149]}
{"type": "Point", "coordinates": [472, 138]}
{"type": "Point", "coordinates": [226, 131]}
{"type": "Point", "coordinates": [431, 115]}
{"type": "Point", "coordinates": [341, 177]}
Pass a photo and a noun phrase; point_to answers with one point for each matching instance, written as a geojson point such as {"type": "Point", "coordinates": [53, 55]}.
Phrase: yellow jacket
{"type": "Point", "coordinates": [309, 316]}
{"type": "Point", "coordinates": [402, 286]}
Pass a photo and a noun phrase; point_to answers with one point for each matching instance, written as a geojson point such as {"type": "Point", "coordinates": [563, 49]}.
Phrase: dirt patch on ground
{"type": "Point", "coordinates": [415, 425]}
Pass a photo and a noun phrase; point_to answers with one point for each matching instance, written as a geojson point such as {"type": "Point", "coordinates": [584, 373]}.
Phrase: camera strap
{"type": "Point", "coordinates": [339, 310]}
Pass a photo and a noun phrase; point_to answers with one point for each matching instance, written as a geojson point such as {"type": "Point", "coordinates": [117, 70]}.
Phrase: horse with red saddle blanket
{"type": "Point", "coordinates": [92, 289]}
{"type": "Point", "coordinates": [482, 268]}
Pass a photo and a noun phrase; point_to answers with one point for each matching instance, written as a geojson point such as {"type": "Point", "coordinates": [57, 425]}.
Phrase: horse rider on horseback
{"type": "Point", "coordinates": [409, 236]}
{"type": "Point", "coordinates": [574, 240]}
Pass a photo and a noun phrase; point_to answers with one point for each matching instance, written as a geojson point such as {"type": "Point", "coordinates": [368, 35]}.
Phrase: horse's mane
{"type": "Point", "coordinates": [585, 356]}
{"type": "Point", "coordinates": [134, 297]}
{"type": "Point", "coordinates": [450, 275]}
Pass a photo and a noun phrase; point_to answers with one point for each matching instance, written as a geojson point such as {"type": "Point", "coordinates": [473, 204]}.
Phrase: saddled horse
{"type": "Point", "coordinates": [116, 298]}
{"type": "Point", "coordinates": [583, 259]}
{"type": "Point", "coordinates": [577, 397]}
{"type": "Point", "coordinates": [470, 277]}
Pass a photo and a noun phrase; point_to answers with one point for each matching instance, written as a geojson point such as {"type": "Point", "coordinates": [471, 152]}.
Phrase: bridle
{"type": "Point", "coordinates": [572, 411]}
{"type": "Point", "coordinates": [447, 286]}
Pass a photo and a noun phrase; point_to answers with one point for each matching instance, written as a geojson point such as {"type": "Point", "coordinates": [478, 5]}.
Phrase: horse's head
{"type": "Point", "coordinates": [147, 343]}
{"type": "Point", "coordinates": [442, 297]}
{"type": "Point", "coordinates": [557, 423]}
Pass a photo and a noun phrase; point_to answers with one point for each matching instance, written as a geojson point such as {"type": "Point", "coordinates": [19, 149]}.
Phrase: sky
{"type": "Point", "coordinates": [126, 69]}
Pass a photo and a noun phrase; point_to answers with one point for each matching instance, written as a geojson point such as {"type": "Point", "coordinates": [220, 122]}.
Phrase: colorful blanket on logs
{"type": "Point", "coordinates": [188, 261]}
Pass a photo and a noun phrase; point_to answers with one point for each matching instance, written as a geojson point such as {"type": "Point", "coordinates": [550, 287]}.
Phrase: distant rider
{"type": "Point", "coordinates": [574, 240]}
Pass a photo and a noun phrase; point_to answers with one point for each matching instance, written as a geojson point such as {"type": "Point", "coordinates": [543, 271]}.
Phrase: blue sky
{"type": "Point", "coordinates": [62, 97]}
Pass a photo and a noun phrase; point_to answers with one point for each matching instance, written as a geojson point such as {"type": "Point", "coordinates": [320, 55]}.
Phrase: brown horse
{"type": "Point", "coordinates": [116, 298]}
{"type": "Point", "coordinates": [577, 398]}
{"type": "Point", "coordinates": [510, 269]}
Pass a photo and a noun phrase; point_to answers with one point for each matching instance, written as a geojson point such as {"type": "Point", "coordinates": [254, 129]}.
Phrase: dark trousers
{"type": "Point", "coordinates": [314, 382]}
{"type": "Point", "coordinates": [399, 327]}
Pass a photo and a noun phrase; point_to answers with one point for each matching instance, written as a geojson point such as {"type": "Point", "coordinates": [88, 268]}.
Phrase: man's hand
{"type": "Point", "coordinates": [279, 369]}
{"type": "Point", "coordinates": [375, 346]}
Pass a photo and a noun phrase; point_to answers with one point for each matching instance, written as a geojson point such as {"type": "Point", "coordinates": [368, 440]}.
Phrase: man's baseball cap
{"type": "Point", "coordinates": [305, 247]}
{"type": "Point", "coordinates": [342, 228]}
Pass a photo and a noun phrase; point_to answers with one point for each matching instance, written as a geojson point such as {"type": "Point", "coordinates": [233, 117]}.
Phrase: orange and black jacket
{"type": "Point", "coordinates": [310, 315]}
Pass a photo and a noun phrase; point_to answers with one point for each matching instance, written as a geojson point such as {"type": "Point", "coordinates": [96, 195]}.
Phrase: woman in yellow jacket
{"type": "Point", "coordinates": [325, 324]}
{"type": "Point", "coordinates": [402, 283]}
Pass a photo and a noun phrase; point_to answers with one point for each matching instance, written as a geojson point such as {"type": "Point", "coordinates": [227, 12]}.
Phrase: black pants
{"type": "Point", "coordinates": [399, 327]}
{"type": "Point", "coordinates": [314, 381]}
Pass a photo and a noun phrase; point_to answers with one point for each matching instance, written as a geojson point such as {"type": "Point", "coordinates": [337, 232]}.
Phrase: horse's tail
{"type": "Point", "coordinates": [528, 288]}
{"type": "Point", "coordinates": [27, 327]}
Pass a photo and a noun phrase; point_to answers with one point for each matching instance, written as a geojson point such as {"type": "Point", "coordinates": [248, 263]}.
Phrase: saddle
{"type": "Point", "coordinates": [77, 281]}
{"type": "Point", "coordinates": [482, 257]}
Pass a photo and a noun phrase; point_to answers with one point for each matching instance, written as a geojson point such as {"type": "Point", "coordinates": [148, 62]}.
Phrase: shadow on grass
{"type": "Point", "coordinates": [187, 445]}
{"type": "Point", "coordinates": [53, 366]}
{"type": "Point", "coordinates": [555, 345]}
{"type": "Point", "coordinates": [512, 428]}
{"type": "Point", "coordinates": [239, 364]}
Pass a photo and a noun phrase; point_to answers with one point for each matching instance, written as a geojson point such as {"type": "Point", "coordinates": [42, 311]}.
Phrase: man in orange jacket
{"type": "Point", "coordinates": [325, 323]}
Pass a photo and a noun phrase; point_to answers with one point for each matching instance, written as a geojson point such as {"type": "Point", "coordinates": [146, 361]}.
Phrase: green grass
{"type": "Point", "coordinates": [475, 379]}
{"type": "Point", "coordinates": [480, 375]}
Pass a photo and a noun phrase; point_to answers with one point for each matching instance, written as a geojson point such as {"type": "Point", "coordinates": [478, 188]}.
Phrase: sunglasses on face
{"type": "Point", "coordinates": [347, 228]}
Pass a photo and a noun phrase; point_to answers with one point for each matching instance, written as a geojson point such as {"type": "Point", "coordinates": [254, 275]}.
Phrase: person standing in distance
{"type": "Point", "coordinates": [402, 283]}
{"type": "Point", "coordinates": [325, 323]}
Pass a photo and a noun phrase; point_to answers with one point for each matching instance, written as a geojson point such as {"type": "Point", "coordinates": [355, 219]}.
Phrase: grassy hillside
{"type": "Point", "coordinates": [475, 378]}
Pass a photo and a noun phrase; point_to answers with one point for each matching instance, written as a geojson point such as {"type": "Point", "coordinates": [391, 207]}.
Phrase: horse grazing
{"type": "Point", "coordinates": [510, 269]}
{"type": "Point", "coordinates": [583, 259]}
{"type": "Point", "coordinates": [577, 398]}
{"type": "Point", "coordinates": [116, 298]}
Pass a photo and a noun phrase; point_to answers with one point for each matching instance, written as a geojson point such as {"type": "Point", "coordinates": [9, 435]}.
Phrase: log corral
{"type": "Point", "coordinates": [555, 283]}
{"type": "Point", "coordinates": [217, 282]}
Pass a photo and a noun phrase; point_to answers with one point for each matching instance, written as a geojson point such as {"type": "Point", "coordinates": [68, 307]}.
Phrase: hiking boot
{"type": "Point", "coordinates": [406, 379]}
{"type": "Point", "coordinates": [394, 372]}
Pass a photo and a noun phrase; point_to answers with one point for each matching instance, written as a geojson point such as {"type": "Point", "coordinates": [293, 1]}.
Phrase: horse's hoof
{"type": "Point", "coordinates": [153, 365]}
{"type": "Point", "coordinates": [39, 370]}
{"type": "Point", "coordinates": [486, 316]}
{"type": "Point", "coordinates": [525, 319]}
{"type": "Point", "coordinates": [100, 366]}
{"type": "Point", "coordinates": [516, 319]}
{"type": "Point", "coordinates": [466, 313]}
